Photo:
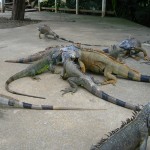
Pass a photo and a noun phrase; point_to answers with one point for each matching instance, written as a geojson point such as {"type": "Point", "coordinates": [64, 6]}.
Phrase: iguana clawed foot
{"type": "Point", "coordinates": [36, 78]}
{"type": "Point", "coordinates": [57, 72]}
{"type": "Point", "coordinates": [113, 82]}
{"type": "Point", "coordinates": [136, 58]}
{"type": "Point", "coordinates": [97, 82]}
{"type": "Point", "coordinates": [147, 58]}
{"type": "Point", "coordinates": [67, 90]}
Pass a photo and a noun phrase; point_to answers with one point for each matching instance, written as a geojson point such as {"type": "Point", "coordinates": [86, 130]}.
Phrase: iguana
{"type": "Point", "coordinates": [75, 77]}
{"type": "Point", "coordinates": [12, 102]}
{"type": "Point", "coordinates": [44, 64]}
{"type": "Point", "coordinates": [36, 56]}
{"type": "Point", "coordinates": [115, 52]}
{"type": "Point", "coordinates": [127, 48]}
{"type": "Point", "coordinates": [132, 47]}
{"type": "Point", "coordinates": [47, 31]}
{"type": "Point", "coordinates": [99, 62]}
{"type": "Point", "coordinates": [132, 135]}
{"type": "Point", "coordinates": [39, 55]}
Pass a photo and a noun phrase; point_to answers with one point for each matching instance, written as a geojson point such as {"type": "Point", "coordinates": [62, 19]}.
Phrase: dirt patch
{"type": "Point", "coordinates": [9, 23]}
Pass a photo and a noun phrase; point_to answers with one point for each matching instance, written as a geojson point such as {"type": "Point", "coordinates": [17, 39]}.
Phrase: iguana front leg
{"type": "Point", "coordinates": [82, 66]}
{"type": "Point", "coordinates": [109, 77]}
{"type": "Point", "coordinates": [143, 144]}
{"type": "Point", "coordinates": [73, 85]}
{"type": "Point", "coordinates": [40, 35]}
{"type": "Point", "coordinates": [139, 49]}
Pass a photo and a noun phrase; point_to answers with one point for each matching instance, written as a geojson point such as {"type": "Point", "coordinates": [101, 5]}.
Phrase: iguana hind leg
{"type": "Point", "coordinates": [109, 77]}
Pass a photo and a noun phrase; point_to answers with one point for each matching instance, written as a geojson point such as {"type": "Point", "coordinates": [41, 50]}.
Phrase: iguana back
{"type": "Point", "coordinates": [132, 135]}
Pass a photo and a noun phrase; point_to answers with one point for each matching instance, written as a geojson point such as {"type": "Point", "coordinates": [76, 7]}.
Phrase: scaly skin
{"type": "Point", "coordinates": [46, 30]}
{"type": "Point", "coordinates": [76, 77]}
{"type": "Point", "coordinates": [39, 67]}
{"type": "Point", "coordinates": [9, 101]}
{"type": "Point", "coordinates": [36, 56]}
{"type": "Point", "coordinates": [136, 47]}
{"type": "Point", "coordinates": [132, 135]}
{"type": "Point", "coordinates": [99, 62]}
{"type": "Point", "coordinates": [123, 50]}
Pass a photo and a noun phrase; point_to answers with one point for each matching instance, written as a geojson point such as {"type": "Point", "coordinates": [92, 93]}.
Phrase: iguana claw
{"type": "Point", "coordinates": [67, 90]}
{"type": "Point", "coordinates": [108, 82]}
{"type": "Point", "coordinates": [147, 58]}
{"type": "Point", "coordinates": [36, 78]}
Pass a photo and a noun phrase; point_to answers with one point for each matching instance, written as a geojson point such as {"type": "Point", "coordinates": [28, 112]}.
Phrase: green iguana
{"type": "Point", "coordinates": [132, 135]}
{"type": "Point", "coordinates": [99, 62]}
{"type": "Point", "coordinates": [36, 56]}
{"type": "Point", "coordinates": [9, 101]}
{"type": "Point", "coordinates": [75, 77]}
{"type": "Point", "coordinates": [39, 55]}
{"type": "Point", "coordinates": [46, 63]}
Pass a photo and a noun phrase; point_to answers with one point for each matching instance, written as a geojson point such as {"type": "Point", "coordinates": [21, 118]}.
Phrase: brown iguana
{"type": "Point", "coordinates": [99, 62]}
{"type": "Point", "coordinates": [75, 77]}
{"type": "Point", "coordinates": [9, 101]}
{"type": "Point", "coordinates": [132, 135]}
{"type": "Point", "coordinates": [44, 64]}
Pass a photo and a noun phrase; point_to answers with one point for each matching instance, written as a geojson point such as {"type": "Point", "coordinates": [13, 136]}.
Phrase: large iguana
{"type": "Point", "coordinates": [44, 64]}
{"type": "Point", "coordinates": [132, 135]}
{"type": "Point", "coordinates": [75, 77]}
{"type": "Point", "coordinates": [99, 62]}
{"type": "Point", "coordinates": [12, 102]}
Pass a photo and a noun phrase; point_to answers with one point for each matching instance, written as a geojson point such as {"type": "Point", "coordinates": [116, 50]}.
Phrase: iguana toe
{"type": "Point", "coordinates": [36, 78]}
{"type": "Point", "coordinates": [67, 90]}
{"type": "Point", "coordinates": [108, 82]}
{"type": "Point", "coordinates": [147, 58]}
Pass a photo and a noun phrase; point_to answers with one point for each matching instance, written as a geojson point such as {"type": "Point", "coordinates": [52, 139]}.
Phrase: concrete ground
{"type": "Point", "coordinates": [22, 129]}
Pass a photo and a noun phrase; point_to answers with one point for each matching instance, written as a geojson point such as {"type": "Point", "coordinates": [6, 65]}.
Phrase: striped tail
{"type": "Point", "coordinates": [145, 78]}
{"type": "Point", "coordinates": [94, 89]}
{"type": "Point", "coordinates": [33, 57]}
{"type": "Point", "coordinates": [9, 101]}
{"type": "Point", "coordinates": [26, 60]}
{"type": "Point", "coordinates": [133, 75]}
{"type": "Point", "coordinates": [66, 40]}
{"type": "Point", "coordinates": [13, 78]}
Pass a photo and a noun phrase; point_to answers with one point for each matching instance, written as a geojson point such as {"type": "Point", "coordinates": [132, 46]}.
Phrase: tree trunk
{"type": "Point", "coordinates": [18, 9]}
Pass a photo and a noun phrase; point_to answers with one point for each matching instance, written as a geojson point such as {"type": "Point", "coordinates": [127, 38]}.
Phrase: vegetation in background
{"type": "Point", "coordinates": [135, 10]}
